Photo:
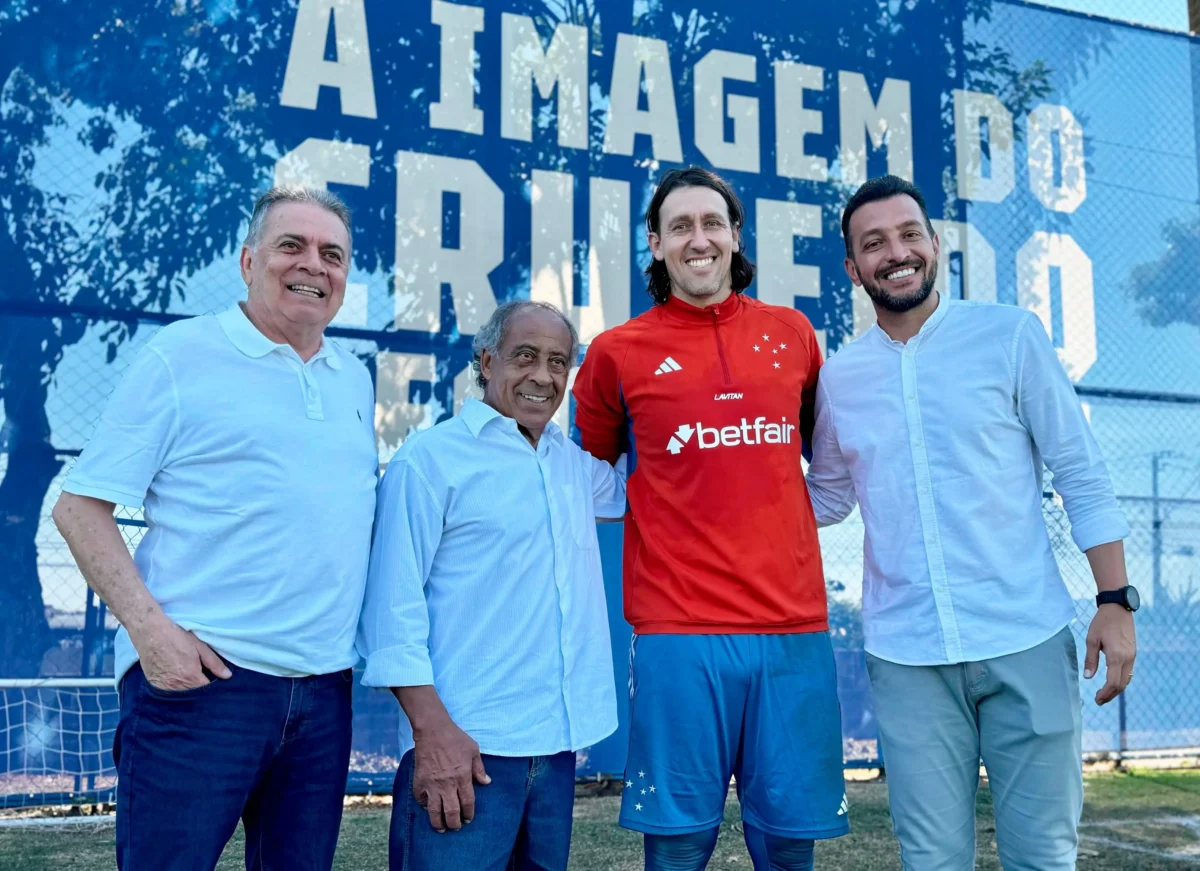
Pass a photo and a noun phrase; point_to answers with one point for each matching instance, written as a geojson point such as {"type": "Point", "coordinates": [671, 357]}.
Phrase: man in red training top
{"type": "Point", "coordinates": [732, 671]}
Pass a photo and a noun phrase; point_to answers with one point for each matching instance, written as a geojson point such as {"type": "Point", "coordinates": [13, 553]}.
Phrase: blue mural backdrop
{"type": "Point", "coordinates": [509, 149]}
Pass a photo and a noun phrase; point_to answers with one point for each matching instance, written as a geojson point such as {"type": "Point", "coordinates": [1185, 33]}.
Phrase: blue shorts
{"type": "Point", "coordinates": [763, 708]}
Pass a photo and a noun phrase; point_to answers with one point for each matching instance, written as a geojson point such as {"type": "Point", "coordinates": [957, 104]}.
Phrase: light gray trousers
{"type": "Point", "coordinates": [1022, 714]}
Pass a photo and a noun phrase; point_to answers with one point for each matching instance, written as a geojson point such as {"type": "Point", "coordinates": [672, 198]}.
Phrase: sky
{"type": "Point", "coordinates": [1168, 14]}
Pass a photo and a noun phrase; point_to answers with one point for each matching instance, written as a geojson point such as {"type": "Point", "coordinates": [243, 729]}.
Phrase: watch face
{"type": "Point", "coordinates": [1132, 598]}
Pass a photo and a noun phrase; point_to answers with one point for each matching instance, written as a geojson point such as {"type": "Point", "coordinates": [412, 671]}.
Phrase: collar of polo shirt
{"type": "Point", "coordinates": [250, 341]}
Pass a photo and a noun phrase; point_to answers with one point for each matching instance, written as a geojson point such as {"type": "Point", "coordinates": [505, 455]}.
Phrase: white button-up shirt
{"type": "Point", "coordinates": [257, 472]}
{"type": "Point", "coordinates": [485, 582]}
{"type": "Point", "coordinates": [941, 441]}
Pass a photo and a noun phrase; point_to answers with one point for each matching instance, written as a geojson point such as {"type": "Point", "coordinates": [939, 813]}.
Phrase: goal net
{"type": "Point", "coordinates": [56, 737]}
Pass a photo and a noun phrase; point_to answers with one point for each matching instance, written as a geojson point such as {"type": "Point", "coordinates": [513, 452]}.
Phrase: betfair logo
{"type": "Point", "coordinates": [757, 433]}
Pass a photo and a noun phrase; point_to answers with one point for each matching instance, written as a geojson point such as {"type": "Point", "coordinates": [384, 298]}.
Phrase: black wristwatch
{"type": "Point", "coordinates": [1127, 597]}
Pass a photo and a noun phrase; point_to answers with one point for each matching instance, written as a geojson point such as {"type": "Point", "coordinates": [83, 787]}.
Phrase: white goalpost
{"type": "Point", "coordinates": [56, 738]}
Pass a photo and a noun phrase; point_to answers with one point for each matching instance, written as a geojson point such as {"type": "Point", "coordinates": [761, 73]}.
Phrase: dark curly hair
{"type": "Point", "coordinates": [741, 271]}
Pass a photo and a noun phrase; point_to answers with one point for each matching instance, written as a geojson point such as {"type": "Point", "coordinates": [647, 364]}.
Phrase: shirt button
{"type": "Point", "coordinates": [917, 443]}
{"type": "Point", "coordinates": [924, 489]}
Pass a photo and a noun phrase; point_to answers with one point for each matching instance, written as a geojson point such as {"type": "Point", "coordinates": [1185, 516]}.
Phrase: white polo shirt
{"type": "Point", "coordinates": [257, 472]}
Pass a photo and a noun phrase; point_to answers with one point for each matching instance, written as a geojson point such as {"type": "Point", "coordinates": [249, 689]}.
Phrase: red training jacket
{"type": "Point", "coordinates": [720, 536]}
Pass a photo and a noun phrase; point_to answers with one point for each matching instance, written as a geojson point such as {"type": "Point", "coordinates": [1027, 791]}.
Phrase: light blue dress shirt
{"type": "Point", "coordinates": [485, 581]}
{"type": "Point", "coordinates": [257, 471]}
{"type": "Point", "coordinates": [941, 441]}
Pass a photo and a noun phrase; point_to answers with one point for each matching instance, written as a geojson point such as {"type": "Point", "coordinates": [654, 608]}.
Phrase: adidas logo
{"type": "Point", "coordinates": [668, 365]}
{"type": "Point", "coordinates": [845, 808]}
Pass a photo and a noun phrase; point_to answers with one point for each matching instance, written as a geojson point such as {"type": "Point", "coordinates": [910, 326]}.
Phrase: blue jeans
{"type": "Point", "coordinates": [272, 751]}
{"type": "Point", "coordinates": [522, 820]}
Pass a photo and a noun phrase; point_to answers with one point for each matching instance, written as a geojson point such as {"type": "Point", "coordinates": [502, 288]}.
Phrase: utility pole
{"type": "Point", "coordinates": [1193, 7]}
{"type": "Point", "coordinates": [1156, 589]}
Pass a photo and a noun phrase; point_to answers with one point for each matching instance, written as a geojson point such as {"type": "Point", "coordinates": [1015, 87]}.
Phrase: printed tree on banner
{"type": "Point", "coordinates": [164, 106]}
{"type": "Point", "coordinates": [1165, 289]}
{"type": "Point", "coordinates": [152, 103]}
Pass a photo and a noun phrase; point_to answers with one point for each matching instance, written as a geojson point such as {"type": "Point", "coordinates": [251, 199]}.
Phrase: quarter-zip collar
{"type": "Point", "coordinates": [682, 312]}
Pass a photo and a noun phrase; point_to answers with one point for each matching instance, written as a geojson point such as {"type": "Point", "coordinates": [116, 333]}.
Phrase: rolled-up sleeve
{"type": "Point", "coordinates": [608, 488]}
{"type": "Point", "coordinates": [830, 485]}
{"type": "Point", "coordinates": [394, 627]}
{"type": "Point", "coordinates": [1049, 408]}
{"type": "Point", "coordinates": [134, 436]}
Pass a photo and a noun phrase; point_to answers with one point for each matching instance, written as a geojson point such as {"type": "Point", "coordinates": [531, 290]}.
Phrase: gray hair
{"type": "Point", "coordinates": [491, 335]}
{"type": "Point", "coordinates": [331, 202]}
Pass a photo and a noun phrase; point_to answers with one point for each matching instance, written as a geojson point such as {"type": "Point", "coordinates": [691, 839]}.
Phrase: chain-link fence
{"type": "Point", "coordinates": [1075, 192]}
{"type": "Point", "coordinates": [1117, 288]}
{"type": "Point", "coordinates": [1161, 14]}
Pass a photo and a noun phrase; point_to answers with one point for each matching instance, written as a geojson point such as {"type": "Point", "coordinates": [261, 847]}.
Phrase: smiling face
{"type": "Point", "coordinates": [527, 376]}
{"type": "Point", "coordinates": [296, 270]}
{"type": "Point", "coordinates": [696, 240]}
{"type": "Point", "coordinates": [894, 253]}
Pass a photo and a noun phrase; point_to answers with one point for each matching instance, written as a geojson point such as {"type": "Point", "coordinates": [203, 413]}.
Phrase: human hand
{"type": "Point", "coordinates": [1112, 632]}
{"type": "Point", "coordinates": [173, 659]}
{"type": "Point", "coordinates": [446, 767]}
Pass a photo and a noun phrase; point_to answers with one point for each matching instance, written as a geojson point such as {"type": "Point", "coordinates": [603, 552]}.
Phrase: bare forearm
{"type": "Point", "coordinates": [423, 707]}
{"type": "Point", "coordinates": [1108, 565]}
{"type": "Point", "coordinates": [102, 556]}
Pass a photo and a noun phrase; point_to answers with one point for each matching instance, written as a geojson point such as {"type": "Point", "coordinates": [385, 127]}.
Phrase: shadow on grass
{"type": "Point", "coordinates": [1131, 820]}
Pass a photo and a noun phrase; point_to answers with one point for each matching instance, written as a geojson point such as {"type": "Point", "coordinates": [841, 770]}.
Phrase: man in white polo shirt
{"type": "Point", "coordinates": [248, 438]}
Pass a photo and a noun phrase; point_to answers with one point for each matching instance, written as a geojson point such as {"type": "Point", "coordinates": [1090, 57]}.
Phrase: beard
{"type": "Point", "coordinates": [701, 288]}
{"type": "Point", "coordinates": [901, 304]}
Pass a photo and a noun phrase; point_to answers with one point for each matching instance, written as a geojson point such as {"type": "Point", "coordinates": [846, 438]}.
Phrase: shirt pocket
{"type": "Point", "coordinates": [575, 509]}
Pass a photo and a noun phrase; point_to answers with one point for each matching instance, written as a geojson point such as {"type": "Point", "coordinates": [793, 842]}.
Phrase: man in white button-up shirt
{"type": "Point", "coordinates": [937, 421]}
{"type": "Point", "coordinates": [485, 611]}
{"type": "Point", "coordinates": [248, 437]}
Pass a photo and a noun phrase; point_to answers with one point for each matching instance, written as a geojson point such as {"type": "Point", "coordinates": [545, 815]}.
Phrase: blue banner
{"type": "Point", "coordinates": [509, 150]}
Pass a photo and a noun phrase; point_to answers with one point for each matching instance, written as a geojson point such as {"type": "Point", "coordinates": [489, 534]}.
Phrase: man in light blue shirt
{"type": "Point", "coordinates": [248, 438]}
{"type": "Point", "coordinates": [485, 611]}
{"type": "Point", "coordinates": [937, 421]}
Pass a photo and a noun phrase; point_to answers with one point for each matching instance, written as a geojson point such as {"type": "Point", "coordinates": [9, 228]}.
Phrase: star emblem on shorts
{"type": "Point", "coordinates": [756, 348]}
{"type": "Point", "coordinates": [643, 792]}
{"type": "Point", "coordinates": [783, 345]}
{"type": "Point", "coordinates": [641, 774]}
{"type": "Point", "coordinates": [776, 365]}
{"type": "Point", "coordinates": [638, 806]}
{"type": "Point", "coordinates": [629, 784]}
{"type": "Point", "coordinates": [652, 789]}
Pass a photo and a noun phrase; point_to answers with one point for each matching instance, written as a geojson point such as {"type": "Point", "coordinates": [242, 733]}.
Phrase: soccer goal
{"type": "Point", "coordinates": [56, 737]}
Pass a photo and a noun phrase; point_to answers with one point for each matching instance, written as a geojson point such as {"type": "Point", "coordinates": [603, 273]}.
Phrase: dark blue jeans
{"type": "Point", "coordinates": [272, 751]}
{"type": "Point", "coordinates": [522, 820]}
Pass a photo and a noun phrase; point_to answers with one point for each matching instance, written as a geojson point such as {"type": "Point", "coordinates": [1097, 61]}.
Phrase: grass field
{"type": "Point", "coordinates": [1148, 821]}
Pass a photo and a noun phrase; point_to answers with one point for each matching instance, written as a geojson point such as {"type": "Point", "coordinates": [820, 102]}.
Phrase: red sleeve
{"type": "Point", "coordinates": [808, 396]}
{"type": "Point", "coordinates": [599, 409]}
